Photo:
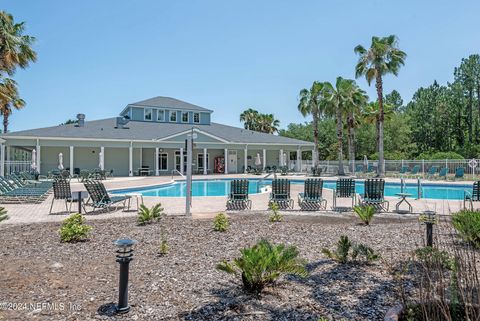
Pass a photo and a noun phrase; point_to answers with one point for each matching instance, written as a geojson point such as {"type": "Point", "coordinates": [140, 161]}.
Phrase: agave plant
{"type": "Point", "coordinates": [365, 213]}
{"type": "Point", "coordinates": [263, 263]}
{"type": "Point", "coordinates": [3, 214]}
{"type": "Point", "coordinates": [147, 215]}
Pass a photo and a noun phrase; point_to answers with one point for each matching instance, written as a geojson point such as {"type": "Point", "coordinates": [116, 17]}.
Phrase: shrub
{"type": "Point", "coordinates": [221, 222]}
{"type": "Point", "coordinates": [147, 215]}
{"type": "Point", "coordinates": [433, 257]}
{"type": "Point", "coordinates": [347, 250]}
{"type": "Point", "coordinates": [163, 244]}
{"type": "Point", "coordinates": [263, 263]}
{"type": "Point", "coordinates": [275, 216]}
{"type": "Point", "coordinates": [439, 155]}
{"type": "Point", "coordinates": [3, 214]}
{"type": "Point", "coordinates": [365, 213]}
{"type": "Point", "coordinates": [467, 224]}
{"type": "Point", "coordinates": [74, 229]}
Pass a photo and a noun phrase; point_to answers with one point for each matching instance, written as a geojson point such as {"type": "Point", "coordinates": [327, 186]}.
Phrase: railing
{"type": "Point", "coordinates": [17, 166]}
{"type": "Point", "coordinates": [177, 172]}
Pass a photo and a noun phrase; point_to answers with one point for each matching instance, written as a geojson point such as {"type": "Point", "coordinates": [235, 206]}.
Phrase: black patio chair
{"type": "Point", "coordinates": [345, 189]}
{"type": "Point", "coordinates": [238, 196]}
{"type": "Point", "coordinates": [374, 194]}
{"type": "Point", "coordinates": [281, 193]}
{"type": "Point", "coordinates": [311, 199]}
{"type": "Point", "coordinates": [472, 197]}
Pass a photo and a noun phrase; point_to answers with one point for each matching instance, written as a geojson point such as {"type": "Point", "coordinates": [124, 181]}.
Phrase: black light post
{"type": "Point", "coordinates": [429, 221]}
{"type": "Point", "coordinates": [124, 256]}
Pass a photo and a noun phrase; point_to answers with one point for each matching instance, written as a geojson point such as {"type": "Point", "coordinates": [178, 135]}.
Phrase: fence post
{"type": "Point", "coordinates": [423, 167]}
{"type": "Point", "coordinates": [446, 164]}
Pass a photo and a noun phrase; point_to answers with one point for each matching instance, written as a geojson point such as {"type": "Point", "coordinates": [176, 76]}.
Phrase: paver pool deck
{"type": "Point", "coordinates": [204, 206]}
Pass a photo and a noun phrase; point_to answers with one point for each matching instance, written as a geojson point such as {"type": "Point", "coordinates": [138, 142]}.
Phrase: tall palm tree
{"type": "Point", "coordinates": [354, 107]}
{"type": "Point", "coordinates": [371, 114]}
{"type": "Point", "coordinates": [266, 123]}
{"type": "Point", "coordinates": [15, 47]}
{"type": "Point", "coordinates": [250, 118]}
{"type": "Point", "coordinates": [383, 57]}
{"type": "Point", "coordinates": [9, 100]}
{"type": "Point", "coordinates": [311, 103]}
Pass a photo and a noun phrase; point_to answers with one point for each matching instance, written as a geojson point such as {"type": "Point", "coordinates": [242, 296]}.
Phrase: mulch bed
{"type": "Point", "coordinates": [73, 280]}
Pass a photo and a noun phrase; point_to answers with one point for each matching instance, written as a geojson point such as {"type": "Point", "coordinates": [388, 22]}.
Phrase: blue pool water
{"type": "Point", "coordinates": [221, 187]}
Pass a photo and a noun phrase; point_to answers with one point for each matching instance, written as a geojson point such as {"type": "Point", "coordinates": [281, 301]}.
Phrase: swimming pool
{"type": "Point", "coordinates": [221, 187]}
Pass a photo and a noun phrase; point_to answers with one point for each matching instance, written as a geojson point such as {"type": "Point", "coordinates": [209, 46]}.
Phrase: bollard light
{"type": "Point", "coordinates": [429, 220]}
{"type": "Point", "coordinates": [124, 256]}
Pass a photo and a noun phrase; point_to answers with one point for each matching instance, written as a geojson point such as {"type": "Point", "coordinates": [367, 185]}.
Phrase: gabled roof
{"type": "Point", "coordinates": [167, 102]}
{"type": "Point", "coordinates": [146, 131]}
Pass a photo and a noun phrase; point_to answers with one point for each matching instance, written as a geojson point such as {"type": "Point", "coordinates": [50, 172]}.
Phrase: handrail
{"type": "Point", "coordinates": [176, 171]}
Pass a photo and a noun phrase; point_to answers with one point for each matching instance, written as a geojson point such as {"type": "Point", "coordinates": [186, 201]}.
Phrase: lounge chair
{"type": "Point", "coordinates": [403, 171]}
{"type": "Point", "coordinates": [238, 196]}
{"type": "Point", "coordinates": [345, 189]}
{"type": "Point", "coordinates": [99, 196]}
{"type": "Point", "coordinates": [311, 199]}
{"type": "Point", "coordinates": [431, 172]}
{"type": "Point", "coordinates": [359, 170]}
{"type": "Point", "coordinates": [10, 193]}
{"type": "Point", "coordinates": [443, 173]}
{"type": "Point", "coordinates": [374, 194]}
{"type": "Point", "coordinates": [414, 172]}
{"type": "Point", "coordinates": [62, 191]}
{"type": "Point", "coordinates": [459, 173]}
{"type": "Point", "coordinates": [281, 193]}
{"type": "Point", "coordinates": [472, 197]}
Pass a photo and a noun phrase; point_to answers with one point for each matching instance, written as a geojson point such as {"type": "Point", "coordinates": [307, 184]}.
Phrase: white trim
{"type": "Point", "coordinates": [160, 164]}
{"type": "Point", "coordinates": [72, 153]}
{"type": "Point", "coordinates": [158, 110]}
{"type": "Point", "coordinates": [193, 120]}
{"type": "Point", "coordinates": [208, 160]}
{"type": "Point", "coordinates": [145, 114]}
{"type": "Point", "coordinates": [156, 158]}
{"type": "Point", "coordinates": [205, 110]}
{"type": "Point", "coordinates": [225, 161]}
{"type": "Point", "coordinates": [170, 116]}
{"type": "Point", "coordinates": [181, 117]}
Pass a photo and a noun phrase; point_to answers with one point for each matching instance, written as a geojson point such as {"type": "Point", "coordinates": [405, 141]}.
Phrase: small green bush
{"type": "Point", "coordinates": [439, 155]}
{"type": "Point", "coordinates": [347, 250]}
{"type": "Point", "coordinates": [3, 214]}
{"type": "Point", "coordinates": [263, 263]}
{"type": "Point", "coordinates": [163, 244]}
{"type": "Point", "coordinates": [365, 213]}
{"type": "Point", "coordinates": [433, 257]}
{"type": "Point", "coordinates": [275, 216]}
{"type": "Point", "coordinates": [147, 215]}
{"type": "Point", "coordinates": [221, 222]}
{"type": "Point", "coordinates": [467, 224]}
{"type": "Point", "coordinates": [74, 229]}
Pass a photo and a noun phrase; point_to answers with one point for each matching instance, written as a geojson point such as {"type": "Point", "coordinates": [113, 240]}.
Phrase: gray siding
{"type": "Point", "coordinates": [137, 114]}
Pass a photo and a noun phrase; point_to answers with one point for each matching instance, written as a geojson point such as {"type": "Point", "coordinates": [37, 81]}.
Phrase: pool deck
{"type": "Point", "coordinates": [207, 207]}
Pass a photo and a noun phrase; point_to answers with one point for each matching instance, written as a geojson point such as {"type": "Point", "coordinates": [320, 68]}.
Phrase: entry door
{"type": "Point", "coordinates": [232, 161]}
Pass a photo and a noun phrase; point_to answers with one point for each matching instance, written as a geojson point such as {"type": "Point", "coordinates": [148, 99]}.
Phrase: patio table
{"type": "Point", "coordinates": [403, 198]}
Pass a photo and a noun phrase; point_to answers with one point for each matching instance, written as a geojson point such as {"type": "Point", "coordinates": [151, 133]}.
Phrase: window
{"type": "Point", "coordinates": [147, 114]}
{"type": "Point", "coordinates": [163, 161]}
{"type": "Point", "coordinates": [196, 117]}
{"type": "Point", "coordinates": [200, 161]}
{"type": "Point", "coordinates": [184, 116]}
{"type": "Point", "coordinates": [160, 115]}
{"type": "Point", "coordinates": [173, 116]}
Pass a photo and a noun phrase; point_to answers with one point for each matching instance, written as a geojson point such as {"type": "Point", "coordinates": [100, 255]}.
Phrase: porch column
{"type": "Point", "coordinates": [38, 157]}
{"type": "Point", "coordinates": [71, 160]}
{"type": "Point", "coordinates": [130, 160]}
{"type": "Point", "coordinates": [245, 159]}
{"type": "Point", "coordinates": [156, 161]}
{"type": "Point", "coordinates": [205, 162]}
{"type": "Point", "coordinates": [225, 153]}
{"type": "Point", "coordinates": [102, 164]}
{"type": "Point", "coordinates": [181, 160]}
{"type": "Point", "coordinates": [280, 158]}
{"type": "Point", "coordinates": [299, 160]}
{"type": "Point", "coordinates": [2, 160]}
{"type": "Point", "coordinates": [8, 159]}
{"type": "Point", "coordinates": [264, 163]}
{"type": "Point", "coordinates": [141, 157]}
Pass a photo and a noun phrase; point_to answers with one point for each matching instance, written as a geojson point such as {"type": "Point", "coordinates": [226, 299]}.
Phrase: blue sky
{"type": "Point", "coordinates": [96, 57]}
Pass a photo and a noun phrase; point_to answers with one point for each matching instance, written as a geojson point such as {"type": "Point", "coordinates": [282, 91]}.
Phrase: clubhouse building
{"type": "Point", "coordinates": [148, 137]}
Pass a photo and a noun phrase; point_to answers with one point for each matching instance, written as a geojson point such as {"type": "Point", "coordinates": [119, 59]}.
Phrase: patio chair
{"type": "Point", "coordinates": [62, 191]}
{"type": "Point", "coordinates": [99, 196]}
{"type": "Point", "coordinates": [472, 197]}
{"type": "Point", "coordinates": [238, 196]}
{"type": "Point", "coordinates": [84, 175]}
{"type": "Point", "coordinates": [374, 194]}
{"type": "Point", "coordinates": [10, 193]}
{"type": "Point", "coordinates": [311, 199]}
{"type": "Point", "coordinates": [414, 172]}
{"type": "Point", "coordinates": [359, 170]}
{"type": "Point", "coordinates": [443, 173]}
{"type": "Point", "coordinates": [281, 193]}
{"type": "Point", "coordinates": [459, 173]}
{"type": "Point", "coordinates": [431, 172]}
{"type": "Point", "coordinates": [345, 189]}
{"type": "Point", "coordinates": [404, 170]}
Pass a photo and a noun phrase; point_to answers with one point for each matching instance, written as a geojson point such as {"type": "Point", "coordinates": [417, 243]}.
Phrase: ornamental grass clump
{"type": "Point", "coordinates": [221, 222]}
{"type": "Point", "coordinates": [3, 214]}
{"type": "Point", "coordinates": [347, 251]}
{"type": "Point", "coordinates": [365, 213]}
{"type": "Point", "coordinates": [163, 250]}
{"type": "Point", "coordinates": [467, 225]}
{"type": "Point", "coordinates": [74, 229]}
{"type": "Point", "coordinates": [263, 263]}
{"type": "Point", "coordinates": [148, 215]}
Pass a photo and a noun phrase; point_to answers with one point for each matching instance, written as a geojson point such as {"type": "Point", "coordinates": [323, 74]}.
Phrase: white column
{"type": "Point", "coordinates": [38, 157]}
{"type": "Point", "coordinates": [71, 160]}
{"type": "Point", "coordinates": [245, 159]}
{"type": "Point", "coordinates": [181, 160]}
{"type": "Point", "coordinates": [2, 160]}
{"type": "Point", "coordinates": [8, 159]}
{"type": "Point", "coordinates": [102, 164]}
{"type": "Point", "coordinates": [280, 158]}
{"type": "Point", "coordinates": [226, 160]}
{"type": "Point", "coordinates": [264, 163]}
{"type": "Point", "coordinates": [299, 160]}
{"type": "Point", "coordinates": [157, 172]}
{"type": "Point", "coordinates": [130, 160]}
{"type": "Point", "coordinates": [205, 163]}
{"type": "Point", "coordinates": [141, 157]}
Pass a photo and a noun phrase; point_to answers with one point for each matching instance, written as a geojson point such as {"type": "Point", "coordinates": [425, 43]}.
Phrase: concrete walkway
{"type": "Point", "coordinates": [202, 207]}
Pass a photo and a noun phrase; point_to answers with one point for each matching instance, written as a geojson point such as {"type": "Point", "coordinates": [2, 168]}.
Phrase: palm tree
{"type": "Point", "coordinates": [250, 118]}
{"type": "Point", "coordinates": [15, 47]}
{"type": "Point", "coordinates": [371, 114]}
{"type": "Point", "coordinates": [383, 57]}
{"type": "Point", "coordinates": [9, 100]}
{"type": "Point", "coordinates": [266, 123]}
{"type": "Point", "coordinates": [311, 103]}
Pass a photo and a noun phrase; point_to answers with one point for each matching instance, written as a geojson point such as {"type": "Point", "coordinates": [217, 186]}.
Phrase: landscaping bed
{"type": "Point", "coordinates": [184, 284]}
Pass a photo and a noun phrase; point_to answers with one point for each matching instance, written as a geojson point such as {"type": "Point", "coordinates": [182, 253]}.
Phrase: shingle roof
{"type": "Point", "coordinates": [139, 130]}
{"type": "Point", "coordinates": [168, 102]}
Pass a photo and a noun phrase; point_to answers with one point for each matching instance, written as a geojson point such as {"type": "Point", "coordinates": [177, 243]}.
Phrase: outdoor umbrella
{"type": "Point", "coordinates": [33, 165]}
{"type": "Point", "coordinates": [365, 162]}
{"type": "Point", "coordinates": [100, 160]}
{"type": "Point", "coordinates": [258, 160]}
{"type": "Point", "coordinates": [284, 159]}
{"type": "Point", "coordinates": [60, 161]}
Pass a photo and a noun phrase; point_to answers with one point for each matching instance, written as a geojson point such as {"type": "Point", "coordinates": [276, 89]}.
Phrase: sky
{"type": "Point", "coordinates": [95, 57]}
